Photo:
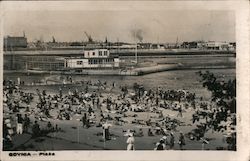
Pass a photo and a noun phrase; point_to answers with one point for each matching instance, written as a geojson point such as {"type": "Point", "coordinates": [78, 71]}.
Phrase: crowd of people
{"type": "Point", "coordinates": [103, 105]}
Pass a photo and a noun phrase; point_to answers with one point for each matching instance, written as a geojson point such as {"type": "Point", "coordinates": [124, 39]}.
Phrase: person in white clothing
{"type": "Point", "coordinates": [19, 127]}
{"type": "Point", "coordinates": [130, 142]}
{"type": "Point", "coordinates": [106, 134]}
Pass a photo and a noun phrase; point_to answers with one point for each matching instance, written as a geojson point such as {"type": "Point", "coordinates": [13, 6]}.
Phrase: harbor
{"type": "Point", "coordinates": [110, 58]}
{"type": "Point", "coordinates": [52, 63]}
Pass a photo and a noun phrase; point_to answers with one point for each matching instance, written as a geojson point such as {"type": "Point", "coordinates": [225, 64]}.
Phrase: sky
{"type": "Point", "coordinates": [121, 25]}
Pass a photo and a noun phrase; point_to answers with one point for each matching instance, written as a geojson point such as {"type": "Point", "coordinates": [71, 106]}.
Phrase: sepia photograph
{"type": "Point", "coordinates": [100, 78]}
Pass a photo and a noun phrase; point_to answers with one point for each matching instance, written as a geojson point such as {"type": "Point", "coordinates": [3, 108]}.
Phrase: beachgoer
{"type": "Point", "coordinates": [172, 140]}
{"type": "Point", "coordinates": [150, 133]}
{"type": "Point", "coordinates": [49, 126]}
{"type": "Point", "coordinates": [160, 145]}
{"type": "Point", "coordinates": [131, 142]}
{"type": "Point", "coordinates": [181, 141]}
{"type": "Point", "coordinates": [35, 129]}
{"type": "Point", "coordinates": [140, 133]}
{"type": "Point", "coordinates": [179, 112]}
{"type": "Point", "coordinates": [19, 128]}
{"type": "Point", "coordinates": [84, 120]}
{"type": "Point", "coordinates": [106, 133]}
{"type": "Point", "coordinates": [26, 123]}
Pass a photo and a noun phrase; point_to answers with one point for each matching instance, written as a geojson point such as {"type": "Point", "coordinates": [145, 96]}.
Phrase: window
{"type": "Point", "coordinates": [105, 53]}
{"type": "Point", "coordinates": [100, 53]}
{"type": "Point", "coordinates": [79, 62]}
{"type": "Point", "coordinates": [93, 54]}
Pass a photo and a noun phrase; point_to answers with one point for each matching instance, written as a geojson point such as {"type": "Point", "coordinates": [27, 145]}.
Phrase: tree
{"type": "Point", "coordinates": [223, 93]}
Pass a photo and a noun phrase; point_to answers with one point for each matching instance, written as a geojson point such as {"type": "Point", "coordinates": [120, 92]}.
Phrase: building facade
{"type": "Point", "coordinates": [30, 62]}
{"type": "Point", "coordinates": [97, 58]}
{"type": "Point", "coordinates": [213, 45]}
{"type": "Point", "coordinates": [12, 43]}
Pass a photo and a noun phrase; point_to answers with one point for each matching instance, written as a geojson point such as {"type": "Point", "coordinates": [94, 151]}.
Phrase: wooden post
{"type": "Point", "coordinates": [104, 139]}
{"type": "Point", "coordinates": [78, 137]}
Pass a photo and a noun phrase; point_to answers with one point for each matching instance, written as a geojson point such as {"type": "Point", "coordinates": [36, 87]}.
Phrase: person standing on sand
{"type": "Point", "coordinates": [179, 112]}
{"type": "Point", "coordinates": [181, 141]}
{"type": "Point", "coordinates": [131, 142]}
{"type": "Point", "coordinates": [35, 130]}
{"type": "Point", "coordinates": [171, 140]}
{"type": "Point", "coordinates": [26, 123]}
{"type": "Point", "coordinates": [84, 120]}
{"type": "Point", "coordinates": [106, 134]}
{"type": "Point", "coordinates": [19, 128]}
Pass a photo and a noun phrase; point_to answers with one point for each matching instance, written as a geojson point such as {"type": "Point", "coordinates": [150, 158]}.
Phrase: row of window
{"type": "Point", "coordinates": [100, 61]}
{"type": "Point", "coordinates": [48, 66]}
{"type": "Point", "coordinates": [96, 61]}
{"type": "Point", "coordinates": [100, 53]}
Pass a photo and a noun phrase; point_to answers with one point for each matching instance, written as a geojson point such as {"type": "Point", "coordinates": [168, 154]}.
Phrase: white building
{"type": "Point", "coordinates": [97, 58]}
{"type": "Point", "coordinates": [217, 45]}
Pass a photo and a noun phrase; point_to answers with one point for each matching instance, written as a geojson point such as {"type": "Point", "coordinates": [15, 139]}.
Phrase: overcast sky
{"type": "Point", "coordinates": [154, 26]}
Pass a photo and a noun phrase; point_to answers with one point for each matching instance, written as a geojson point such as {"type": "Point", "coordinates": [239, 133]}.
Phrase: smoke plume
{"type": "Point", "coordinates": [137, 34]}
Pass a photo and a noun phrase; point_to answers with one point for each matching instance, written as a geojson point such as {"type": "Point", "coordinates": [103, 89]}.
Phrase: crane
{"type": "Point", "coordinates": [88, 36]}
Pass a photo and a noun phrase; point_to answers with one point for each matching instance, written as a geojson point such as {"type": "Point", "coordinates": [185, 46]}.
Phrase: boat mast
{"type": "Point", "coordinates": [136, 53]}
{"type": "Point", "coordinates": [136, 59]}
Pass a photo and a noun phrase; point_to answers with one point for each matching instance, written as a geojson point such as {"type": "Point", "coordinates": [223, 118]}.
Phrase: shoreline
{"type": "Point", "coordinates": [116, 72]}
{"type": "Point", "coordinates": [121, 53]}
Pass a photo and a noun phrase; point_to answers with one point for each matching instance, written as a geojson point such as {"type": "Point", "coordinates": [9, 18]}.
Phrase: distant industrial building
{"type": "Point", "coordinates": [210, 45]}
{"type": "Point", "coordinates": [12, 43]}
{"type": "Point", "coordinates": [213, 45]}
{"type": "Point", "coordinates": [188, 45]}
{"type": "Point", "coordinates": [194, 45]}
